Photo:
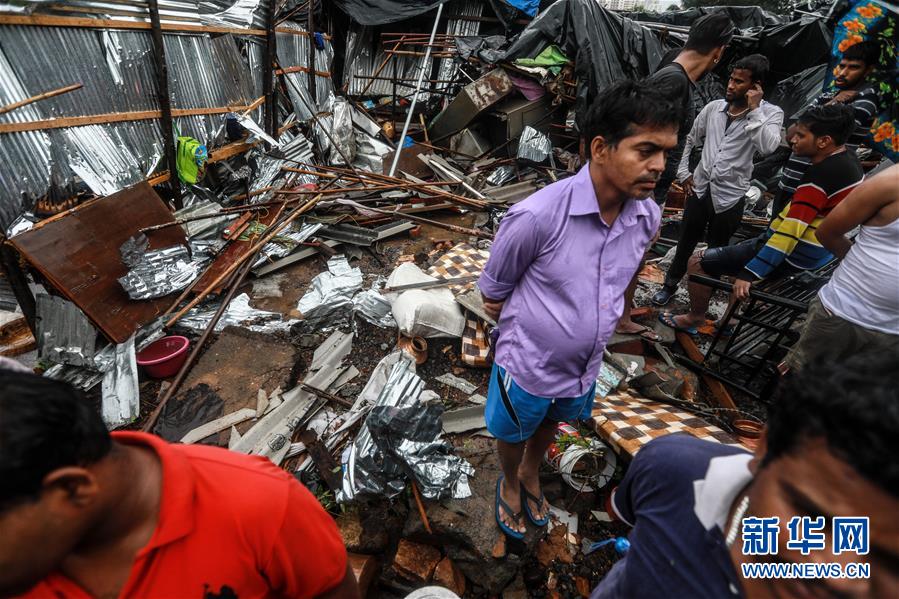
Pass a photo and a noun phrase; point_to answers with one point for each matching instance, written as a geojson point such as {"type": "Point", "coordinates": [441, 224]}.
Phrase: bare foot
{"type": "Point", "coordinates": [512, 497]}
{"type": "Point", "coordinates": [686, 320]}
{"type": "Point", "coordinates": [629, 327]}
{"type": "Point", "coordinates": [532, 484]}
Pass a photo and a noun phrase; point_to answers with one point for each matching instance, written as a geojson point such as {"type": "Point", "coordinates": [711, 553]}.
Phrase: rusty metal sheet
{"type": "Point", "coordinates": [78, 253]}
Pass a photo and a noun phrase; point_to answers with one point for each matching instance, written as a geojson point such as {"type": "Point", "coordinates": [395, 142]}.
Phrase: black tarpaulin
{"type": "Point", "coordinates": [743, 17]}
{"type": "Point", "coordinates": [795, 46]}
{"type": "Point", "coordinates": [381, 12]}
{"type": "Point", "coordinates": [795, 93]}
{"type": "Point", "coordinates": [605, 47]}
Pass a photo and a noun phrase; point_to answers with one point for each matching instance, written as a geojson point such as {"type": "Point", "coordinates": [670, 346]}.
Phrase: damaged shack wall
{"type": "Point", "coordinates": [207, 72]}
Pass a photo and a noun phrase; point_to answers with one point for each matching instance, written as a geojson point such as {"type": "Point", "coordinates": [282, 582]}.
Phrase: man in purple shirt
{"type": "Point", "coordinates": [555, 282]}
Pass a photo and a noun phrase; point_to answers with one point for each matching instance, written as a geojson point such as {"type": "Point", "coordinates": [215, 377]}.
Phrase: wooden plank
{"type": "Point", "coordinates": [112, 117]}
{"type": "Point", "coordinates": [39, 97]}
{"type": "Point", "coordinates": [218, 425]}
{"type": "Point", "coordinates": [78, 253]}
{"type": "Point", "coordinates": [288, 70]}
{"type": "Point", "coordinates": [91, 23]}
{"type": "Point", "coordinates": [719, 391]}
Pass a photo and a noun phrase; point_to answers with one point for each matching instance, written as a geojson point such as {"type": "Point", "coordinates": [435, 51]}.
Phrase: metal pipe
{"type": "Point", "coordinates": [421, 76]}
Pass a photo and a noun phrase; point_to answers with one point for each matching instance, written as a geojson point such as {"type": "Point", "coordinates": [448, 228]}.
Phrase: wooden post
{"type": "Point", "coordinates": [311, 38]}
{"type": "Point", "coordinates": [268, 76]}
{"type": "Point", "coordinates": [20, 288]}
{"type": "Point", "coordinates": [165, 102]}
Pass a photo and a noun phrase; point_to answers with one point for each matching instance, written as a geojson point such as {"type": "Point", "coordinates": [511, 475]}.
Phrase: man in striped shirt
{"type": "Point", "coordinates": [852, 89]}
{"type": "Point", "coordinates": [789, 245]}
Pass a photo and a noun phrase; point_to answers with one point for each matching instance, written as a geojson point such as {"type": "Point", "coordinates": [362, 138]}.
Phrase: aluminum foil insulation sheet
{"type": "Point", "coordinates": [286, 242]}
{"type": "Point", "coordinates": [161, 272]}
{"type": "Point", "coordinates": [534, 146]}
{"type": "Point", "coordinates": [239, 313]}
{"type": "Point", "coordinates": [329, 302]}
{"type": "Point", "coordinates": [402, 437]}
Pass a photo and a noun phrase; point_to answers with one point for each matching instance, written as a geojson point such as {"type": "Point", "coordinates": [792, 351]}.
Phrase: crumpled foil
{"type": "Point", "coordinates": [133, 250]}
{"type": "Point", "coordinates": [329, 302]}
{"type": "Point", "coordinates": [207, 228]}
{"type": "Point", "coordinates": [534, 146]}
{"type": "Point", "coordinates": [370, 153]}
{"type": "Point", "coordinates": [375, 308]}
{"type": "Point", "coordinates": [121, 394]}
{"type": "Point", "coordinates": [238, 313]}
{"type": "Point", "coordinates": [286, 242]}
{"type": "Point", "coordinates": [340, 127]}
{"type": "Point", "coordinates": [501, 175]}
{"type": "Point", "coordinates": [402, 436]}
{"type": "Point", "coordinates": [161, 272]}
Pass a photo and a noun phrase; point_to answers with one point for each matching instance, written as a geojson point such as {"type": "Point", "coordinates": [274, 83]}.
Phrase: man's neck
{"type": "Point", "coordinates": [738, 104]}
{"type": "Point", "coordinates": [694, 64]}
{"type": "Point", "coordinates": [609, 198]}
{"type": "Point", "coordinates": [824, 154]}
{"type": "Point", "coordinates": [131, 479]}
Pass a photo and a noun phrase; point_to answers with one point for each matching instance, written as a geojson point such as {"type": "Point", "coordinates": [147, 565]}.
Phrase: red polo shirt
{"type": "Point", "coordinates": [231, 526]}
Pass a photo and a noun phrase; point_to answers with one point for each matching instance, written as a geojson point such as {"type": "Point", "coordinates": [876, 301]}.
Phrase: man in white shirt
{"type": "Point", "coordinates": [730, 132]}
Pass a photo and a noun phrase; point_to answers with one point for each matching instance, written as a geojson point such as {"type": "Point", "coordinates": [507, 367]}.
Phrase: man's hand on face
{"type": "Point", "coordinates": [844, 96]}
{"type": "Point", "coordinates": [741, 289]}
{"type": "Point", "coordinates": [493, 307]}
{"type": "Point", "coordinates": [754, 97]}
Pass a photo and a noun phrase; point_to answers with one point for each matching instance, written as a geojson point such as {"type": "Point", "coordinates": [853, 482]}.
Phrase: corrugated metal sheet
{"type": "Point", "coordinates": [364, 54]}
{"type": "Point", "coordinates": [469, 8]}
{"type": "Point", "coordinates": [293, 50]}
{"type": "Point", "coordinates": [116, 69]}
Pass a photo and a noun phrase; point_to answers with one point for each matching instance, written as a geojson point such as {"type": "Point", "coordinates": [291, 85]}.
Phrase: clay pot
{"type": "Point", "coordinates": [416, 347]}
{"type": "Point", "coordinates": [748, 431]}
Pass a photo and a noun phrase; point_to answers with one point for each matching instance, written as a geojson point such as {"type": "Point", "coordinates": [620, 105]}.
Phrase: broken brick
{"type": "Point", "coordinates": [415, 562]}
{"type": "Point", "coordinates": [554, 547]}
{"type": "Point", "coordinates": [448, 575]}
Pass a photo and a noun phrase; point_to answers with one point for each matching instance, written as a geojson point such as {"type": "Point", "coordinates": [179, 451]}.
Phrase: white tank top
{"type": "Point", "coordinates": [864, 288]}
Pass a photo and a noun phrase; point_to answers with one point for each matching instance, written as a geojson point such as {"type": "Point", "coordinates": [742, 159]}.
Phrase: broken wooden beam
{"type": "Point", "coordinates": [719, 391]}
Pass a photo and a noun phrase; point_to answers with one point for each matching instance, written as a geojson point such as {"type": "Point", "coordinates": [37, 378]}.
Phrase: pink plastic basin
{"type": "Point", "coordinates": [164, 357]}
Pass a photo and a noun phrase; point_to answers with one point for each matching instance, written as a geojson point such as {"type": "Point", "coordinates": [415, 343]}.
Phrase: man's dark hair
{"type": "Point", "coordinates": [709, 32]}
{"type": "Point", "coordinates": [628, 104]}
{"type": "Point", "coordinates": [757, 64]}
{"type": "Point", "coordinates": [44, 425]}
{"type": "Point", "coordinates": [867, 52]}
{"type": "Point", "coordinates": [853, 404]}
{"type": "Point", "coordinates": [836, 120]}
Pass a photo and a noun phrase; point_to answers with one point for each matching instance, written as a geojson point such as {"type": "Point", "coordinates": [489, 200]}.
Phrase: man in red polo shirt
{"type": "Point", "coordinates": [87, 514]}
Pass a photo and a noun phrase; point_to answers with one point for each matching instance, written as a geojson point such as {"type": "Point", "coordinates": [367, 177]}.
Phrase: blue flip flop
{"type": "Point", "coordinates": [515, 516]}
{"type": "Point", "coordinates": [667, 319]}
{"type": "Point", "coordinates": [528, 497]}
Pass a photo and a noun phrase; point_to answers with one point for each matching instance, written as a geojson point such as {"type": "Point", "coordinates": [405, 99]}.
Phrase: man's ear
{"type": "Point", "coordinates": [599, 149]}
{"type": "Point", "coordinates": [73, 484]}
{"type": "Point", "coordinates": [761, 448]}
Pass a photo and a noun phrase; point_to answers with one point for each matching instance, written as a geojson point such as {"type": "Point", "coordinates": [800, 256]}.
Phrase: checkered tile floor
{"type": "Point", "coordinates": [628, 423]}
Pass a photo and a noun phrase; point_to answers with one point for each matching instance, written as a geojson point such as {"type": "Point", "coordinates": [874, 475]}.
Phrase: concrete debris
{"type": "Point", "coordinates": [457, 383]}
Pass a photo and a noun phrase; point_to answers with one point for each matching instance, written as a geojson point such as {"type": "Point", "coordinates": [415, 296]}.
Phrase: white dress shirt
{"type": "Point", "coordinates": [727, 151]}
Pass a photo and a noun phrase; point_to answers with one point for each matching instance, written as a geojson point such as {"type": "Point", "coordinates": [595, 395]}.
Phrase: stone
{"type": "Point", "coordinates": [365, 569]}
{"type": "Point", "coordinates": [554, 547]}
{"type": "Point", "coordinates": [363, 534]}
{"type": "Point", "coordinates": [516, 590]}
{"type": "Point", "coordinates": [414, 561]}
{"type": "Point", "coordinates": [448, 575]}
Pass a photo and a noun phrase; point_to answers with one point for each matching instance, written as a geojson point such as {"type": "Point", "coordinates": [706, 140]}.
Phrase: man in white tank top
{"type": "Point", "coordinates": [858, 309]}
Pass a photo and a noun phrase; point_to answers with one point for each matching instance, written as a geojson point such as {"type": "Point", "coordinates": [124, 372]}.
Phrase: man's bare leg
{"type": "Point", "coordinates": [700, 296]}
{"type": "Point", "coordinates": [626, 325]}
{"type": "Point", "coordinates": [529, 469]}
{"type": "Point", "coordinates": [510, 457]}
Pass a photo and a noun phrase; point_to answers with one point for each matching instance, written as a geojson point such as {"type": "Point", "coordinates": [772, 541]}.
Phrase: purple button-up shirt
{"type": "Point", "coordinates": [563, 272]}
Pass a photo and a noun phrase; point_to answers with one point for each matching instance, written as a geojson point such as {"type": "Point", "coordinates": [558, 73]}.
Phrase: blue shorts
{"type": "Point", "coordinates": [513, 414]}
